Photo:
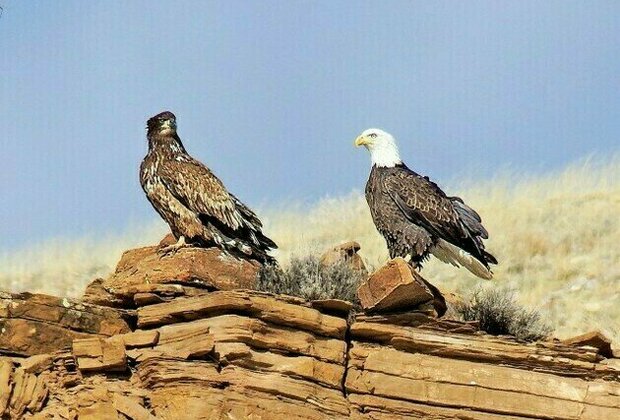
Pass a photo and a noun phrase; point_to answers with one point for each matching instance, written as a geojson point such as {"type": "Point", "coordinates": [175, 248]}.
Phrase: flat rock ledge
{"type": "Point", "coordinates": [242, 354]}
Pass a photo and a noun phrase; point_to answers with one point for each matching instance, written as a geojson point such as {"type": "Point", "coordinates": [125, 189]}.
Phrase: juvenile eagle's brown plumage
{"type": "Point", "coordinates": [416, 217]}
{"type": "Point", "coordinates": [192, 200]}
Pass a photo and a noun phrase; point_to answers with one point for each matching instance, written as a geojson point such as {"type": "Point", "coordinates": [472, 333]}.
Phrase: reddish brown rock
{"type": "Point", "coordinates": [347, 253]}
{"type": "Point", "coordinates": [445, 339]}
{"type": "Point", "coordinates": [393, 287]}
{"type": "Point", "coordinates": [242, 354]}
{"type": "Point", "coordinates": [424, 379]}
{"type": "Point", "coordinates": [140, 338]}
{"type": "Point", "coordinates": [594, 339]}
{"type": "Point", "coordinates": [259, 305]}
{"type": "Point", "coordinates": [35, 324]}
{"type": "Point", "coordinates": [201, 391]}
{"type": "Point", "coordinates": [145, 276]}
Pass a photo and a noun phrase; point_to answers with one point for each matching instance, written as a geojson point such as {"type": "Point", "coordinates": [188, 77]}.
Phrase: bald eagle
{"type": "Point", "coordinates": [416, 217]}
{"type": "Point", "coordinates": [193, 201]}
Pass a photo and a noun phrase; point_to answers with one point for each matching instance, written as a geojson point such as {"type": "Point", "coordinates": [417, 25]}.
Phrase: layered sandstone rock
{"type": "Point", "coordinates": [234, 354]}
{"type": "Point", "coordinates": [401, 368]}
{"type": "Point", "coordinates": [34, 323]}
{"type": "Point", "coordinates": [237, 354]}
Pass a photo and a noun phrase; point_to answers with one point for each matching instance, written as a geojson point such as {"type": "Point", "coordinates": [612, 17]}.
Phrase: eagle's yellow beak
{"type": "Point", "coordinates": [361, 141]}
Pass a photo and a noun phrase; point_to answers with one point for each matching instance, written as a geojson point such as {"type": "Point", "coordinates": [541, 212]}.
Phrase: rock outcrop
{"type": "Point", "coordinates": [145, 276]}
{"type": "Point", "coordinates": [237, 354]}
{"type": "Point", "coordinates": [33, 324]}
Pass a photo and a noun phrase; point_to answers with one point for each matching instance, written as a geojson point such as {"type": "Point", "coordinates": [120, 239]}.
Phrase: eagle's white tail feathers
{"type": "Point", "coordinates": [454, 255]}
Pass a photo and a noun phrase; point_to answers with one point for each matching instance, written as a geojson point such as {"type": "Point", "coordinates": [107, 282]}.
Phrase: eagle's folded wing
{"type": "Point", "coordinates": [247, 213]}
{"type": "Point", "coordinates": [424, 204]}
{"type": "Point", "coordinates": [198, 189]}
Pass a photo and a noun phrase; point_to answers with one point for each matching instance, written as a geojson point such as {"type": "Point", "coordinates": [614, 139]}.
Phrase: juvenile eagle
{"type": "Point", "coordinates": [416, 217]}
{"type": "Point", "coordinates": [193, 201]}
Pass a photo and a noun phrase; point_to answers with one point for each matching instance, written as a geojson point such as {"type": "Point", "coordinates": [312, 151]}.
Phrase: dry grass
{"type": "Point", "coordinates": [64, 266]}
{"type": "Point", "coordinates": [556, 237]}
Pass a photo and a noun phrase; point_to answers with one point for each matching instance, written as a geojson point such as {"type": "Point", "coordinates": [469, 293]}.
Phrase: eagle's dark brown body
{"type": "Point", "coordinates": [192, 200]}
{"type": "Point", "coordinates": [413, 214]}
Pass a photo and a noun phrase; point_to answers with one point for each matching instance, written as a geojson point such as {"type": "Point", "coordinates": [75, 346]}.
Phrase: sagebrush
{"type": "Point", "coordinates": [307, 278]}
{"type": "Point", "coordinates": [499, 313]}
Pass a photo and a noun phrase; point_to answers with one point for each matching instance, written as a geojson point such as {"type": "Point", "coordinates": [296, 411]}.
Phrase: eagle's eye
{"type": "Point", "coordinates": [372, 135]}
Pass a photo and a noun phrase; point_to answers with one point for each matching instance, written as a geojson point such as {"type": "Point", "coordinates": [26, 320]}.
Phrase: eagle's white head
{"type": "Point", "coordinates": [382, 147]}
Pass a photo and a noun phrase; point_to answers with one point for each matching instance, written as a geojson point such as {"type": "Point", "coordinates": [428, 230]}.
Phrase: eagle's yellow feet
{"type": "Point", "coordinates": [170, 250]}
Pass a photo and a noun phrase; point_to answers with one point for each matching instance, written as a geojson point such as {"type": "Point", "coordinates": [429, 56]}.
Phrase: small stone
{"type": "Point", "coordinates": [346, 252]}
{"type": "Point", "coordinates": [97, 354]}
{"type": "Point", "coordinates": [141, 338]}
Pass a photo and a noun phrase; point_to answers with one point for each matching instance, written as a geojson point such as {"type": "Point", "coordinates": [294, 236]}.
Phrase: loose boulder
{"type": "Point", "coordinates": [394, 287]}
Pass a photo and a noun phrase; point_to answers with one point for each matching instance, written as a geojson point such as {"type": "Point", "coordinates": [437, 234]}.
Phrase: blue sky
{"type": "Point", "coordinates": [271, 95]}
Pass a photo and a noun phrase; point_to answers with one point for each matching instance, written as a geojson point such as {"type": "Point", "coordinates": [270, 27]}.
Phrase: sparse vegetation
{"type": "Point", "coordinates": [309, 279]}
{"type": "Point", "coordinates": [499, 314]}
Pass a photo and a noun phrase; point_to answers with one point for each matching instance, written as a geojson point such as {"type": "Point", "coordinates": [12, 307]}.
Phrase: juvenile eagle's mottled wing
{"type": "Point", "coordinates": [247, 213]}
{"type": "Point", "coordinates": [426, 205]}
{"type": "Point", "coordinates": [201, 191]}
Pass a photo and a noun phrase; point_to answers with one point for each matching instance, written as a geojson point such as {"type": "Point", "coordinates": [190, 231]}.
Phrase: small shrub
{"type": "Point", "coordinates": [309, 279]}
{"type": "Point", "coordinates": [499, 314]}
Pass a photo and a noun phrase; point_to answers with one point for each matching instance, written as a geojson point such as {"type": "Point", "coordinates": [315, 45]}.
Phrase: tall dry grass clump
{"type": "Point", "coordinates": [556, 237]}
